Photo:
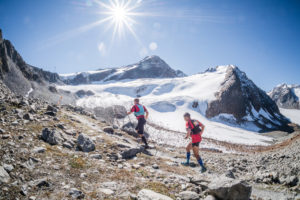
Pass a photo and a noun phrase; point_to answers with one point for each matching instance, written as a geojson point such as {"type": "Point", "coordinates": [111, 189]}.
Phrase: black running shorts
{"type": "Point", "coordinates": [195, 144]}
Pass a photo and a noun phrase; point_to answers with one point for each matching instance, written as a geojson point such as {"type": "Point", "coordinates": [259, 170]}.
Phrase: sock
{"type": "Point", "coordinates": [144, 140]}
{"type": "Point", "coordinates": [200, 162]}
{"type": "Point", "coordinates": [188, 156]}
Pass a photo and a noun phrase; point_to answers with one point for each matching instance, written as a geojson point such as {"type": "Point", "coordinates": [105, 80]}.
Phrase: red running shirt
{"type": "Point", "coordinates": [135, 108]}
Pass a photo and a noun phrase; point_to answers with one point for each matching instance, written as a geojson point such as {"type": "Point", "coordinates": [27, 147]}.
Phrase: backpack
{"type": "Point", "coordinates": [140, 112]}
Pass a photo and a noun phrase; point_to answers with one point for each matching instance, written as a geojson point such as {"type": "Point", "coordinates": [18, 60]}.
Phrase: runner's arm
{"type": "Point", "coordinates": [202, 128]}
{"type": "Point", "coordinates": [188, 133]}
{"type": "Point", "coordinates": [131, 110]}
{"type": "Point", "coordinates": [147, 114]}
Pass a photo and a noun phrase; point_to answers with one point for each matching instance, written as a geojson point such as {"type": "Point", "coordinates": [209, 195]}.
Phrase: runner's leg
{"type": "Point", "coordinates": [196, 154]}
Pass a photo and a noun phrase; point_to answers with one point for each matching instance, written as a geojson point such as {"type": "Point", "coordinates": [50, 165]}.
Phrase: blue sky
{"type": "Point", "coordinates": [261, 37]}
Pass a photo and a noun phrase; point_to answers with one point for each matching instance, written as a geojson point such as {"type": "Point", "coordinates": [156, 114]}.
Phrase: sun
{"type": "Point", "coordinates": [120, 15]}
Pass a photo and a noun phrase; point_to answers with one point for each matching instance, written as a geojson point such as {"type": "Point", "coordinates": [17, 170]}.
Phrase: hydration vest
{"type": "Point", "coordinates": [195, 127]}
{"type": "Point", "coordinates": [140, 112]}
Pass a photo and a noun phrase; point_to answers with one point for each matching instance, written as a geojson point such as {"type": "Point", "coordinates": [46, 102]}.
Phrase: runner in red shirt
{"type": "Point", "coordinates": [141, 114]}
{"type": "Point", "coordinates": [194, 130]}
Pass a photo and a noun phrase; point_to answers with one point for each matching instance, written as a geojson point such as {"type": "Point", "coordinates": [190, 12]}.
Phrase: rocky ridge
{"type": "Point", "coordinates": [149, 67]}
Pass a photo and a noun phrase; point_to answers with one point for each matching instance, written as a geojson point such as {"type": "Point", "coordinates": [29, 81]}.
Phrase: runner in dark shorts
{"type": "Point", "coordinates": [141, 114]}
{"type": "Point", "coordinates": [194, 130]}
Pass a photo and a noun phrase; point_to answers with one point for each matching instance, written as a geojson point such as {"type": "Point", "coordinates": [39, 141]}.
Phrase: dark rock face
{"type": "Point", "coordinates": [150, 67]}
{"type": "Point", "coordinates": [242, 99]}
{"type": "Point", "coordinates": [285, 96]}
{"type": "Point", "coordinates": [24, 79]}
{"type": "Point", "coordinates": [83, 93]}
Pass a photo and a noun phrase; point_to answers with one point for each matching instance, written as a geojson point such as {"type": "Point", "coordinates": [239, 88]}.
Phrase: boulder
{"type": "Point", "coordinates": [51, 108]}
{"type": "Point", "coordinates": [131, 153]}
{"type": "Point", "coordinates": [210, 197]}
{"type": "Point", "coordinates": [146, 194]}
{"type": "Point", "coordinates": [229, 189]}
{"type": "Point", "coordinates": [4, 176]}
{"type": "Point", "coordinates": [84, 143]}
{"type": "Point", "coordinates": [52, 137]}
{"type": "Point", "coordinates": [188, 195]}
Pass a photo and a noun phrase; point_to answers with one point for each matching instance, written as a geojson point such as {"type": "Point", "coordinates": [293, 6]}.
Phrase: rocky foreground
{"type": "Point", "coordinates": [64, 152]}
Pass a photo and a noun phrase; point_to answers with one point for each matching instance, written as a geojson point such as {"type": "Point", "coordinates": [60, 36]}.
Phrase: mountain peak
{"type": "Point", "coordinates": [220, 68]}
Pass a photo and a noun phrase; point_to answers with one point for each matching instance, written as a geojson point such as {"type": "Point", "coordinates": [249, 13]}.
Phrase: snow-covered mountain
{"type": "Point", "coordinates": [222, 94]}
{"type": "Point", "coordinates": [286, 96]}
{"type": "Point", "coordinates": [149, 67]}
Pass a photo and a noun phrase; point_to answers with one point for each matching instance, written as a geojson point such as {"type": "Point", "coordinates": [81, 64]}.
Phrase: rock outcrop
{"type": "Point", "coordinates": [240, 100]}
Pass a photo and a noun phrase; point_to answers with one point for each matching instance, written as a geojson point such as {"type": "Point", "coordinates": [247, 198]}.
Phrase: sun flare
{"type": "Point", "coordinates": [120, 14]}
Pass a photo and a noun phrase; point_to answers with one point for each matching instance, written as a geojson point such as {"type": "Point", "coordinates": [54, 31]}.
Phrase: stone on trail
{"type": "Point", "coordinates": [4, 176]}
{"type": "Point", "coordinates": [229, 189]}
{"type": "Point", "coordinates": [188, 195]}
{"type": "Point", "coordinates": [146, 194]}
{"type": "Point", "coordinates": [84, 143]}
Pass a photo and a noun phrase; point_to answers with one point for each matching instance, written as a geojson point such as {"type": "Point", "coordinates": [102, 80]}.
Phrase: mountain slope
{"type": "Point", "coordinates": [70, 155]}
{"type": "Point", "coordinates": [286, 96]}
{"type": "Point", "coordinates": [24, 79]}
{"type": "Point", "coordinates": [149, 67]}
{"type": "Point", "coordinates": [168, 99]}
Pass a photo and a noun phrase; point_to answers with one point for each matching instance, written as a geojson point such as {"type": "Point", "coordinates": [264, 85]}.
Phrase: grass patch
{"type": "Point", "coordinates": [77, 163]}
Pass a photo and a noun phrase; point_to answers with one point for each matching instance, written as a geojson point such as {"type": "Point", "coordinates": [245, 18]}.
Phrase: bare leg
{"type": "Point", "coordinates": [196, 154]}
